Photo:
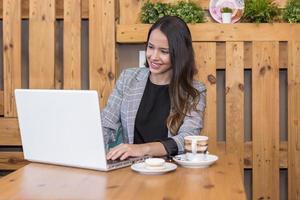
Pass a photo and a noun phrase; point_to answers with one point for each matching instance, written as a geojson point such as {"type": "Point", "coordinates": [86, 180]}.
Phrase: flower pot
{"type": "Point", "coordinates": [226, 18]}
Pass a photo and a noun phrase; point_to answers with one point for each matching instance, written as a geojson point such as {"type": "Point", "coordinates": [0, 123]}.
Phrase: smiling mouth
{"type": "Point", "coordinates": [154, 66]}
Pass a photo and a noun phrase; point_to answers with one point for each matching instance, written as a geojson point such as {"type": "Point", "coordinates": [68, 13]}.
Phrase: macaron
{"type": "Point", "coordinates": [155, 163]}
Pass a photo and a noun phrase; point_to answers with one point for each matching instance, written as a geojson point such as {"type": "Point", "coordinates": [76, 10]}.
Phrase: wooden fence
{"type": "Point", "coordinates": [264, 49]}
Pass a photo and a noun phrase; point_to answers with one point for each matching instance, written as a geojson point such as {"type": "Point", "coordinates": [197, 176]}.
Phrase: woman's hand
{"type": "Point", "coordinates": [124, 151]}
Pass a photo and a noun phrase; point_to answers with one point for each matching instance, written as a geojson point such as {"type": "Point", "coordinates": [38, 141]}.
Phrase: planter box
{"type": "Point", "coordinates": [137, 33]}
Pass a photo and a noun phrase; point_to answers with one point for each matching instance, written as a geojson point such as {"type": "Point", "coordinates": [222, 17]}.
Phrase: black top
{"type": "Point", "coordinates": [151, 118]}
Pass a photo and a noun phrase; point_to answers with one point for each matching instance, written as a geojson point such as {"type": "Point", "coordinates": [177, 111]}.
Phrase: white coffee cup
{"type": "Point", "coordinates": [195, 146]}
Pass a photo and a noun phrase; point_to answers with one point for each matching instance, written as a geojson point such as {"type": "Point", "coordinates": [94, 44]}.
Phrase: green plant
{"type": "Point", "coordinates": [188, 11]}
{"type": "Point", "coordinates": [260, 11]}
{"type": "Point", "coordinates": [148, 13]}
{"type": "Point", "coordinates": [152, 12]}
{"type": "Point", "coordinates": [291, 13]}
{"type": "Point", "coordinates": [226, 10]}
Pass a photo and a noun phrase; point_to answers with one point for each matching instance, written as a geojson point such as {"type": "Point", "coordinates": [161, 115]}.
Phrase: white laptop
{"type": "Point", "coordinates": [63, 127]}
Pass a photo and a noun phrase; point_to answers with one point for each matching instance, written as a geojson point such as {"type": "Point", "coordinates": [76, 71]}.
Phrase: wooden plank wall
{"type": "Point", "coordinates": [233, 48]}
{"type": "Point", "coordinates": [43, 70]}
{"type": "Point", "coordinates": [265, 105]}
{"type": "Point", "coordinates": [129, 8]}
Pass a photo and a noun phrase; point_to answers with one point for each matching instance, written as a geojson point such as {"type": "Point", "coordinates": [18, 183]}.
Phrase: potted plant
{"type": "Point", "coordinates": [261, 11]}
{"type": "Point", "coordinates": [226, 15]}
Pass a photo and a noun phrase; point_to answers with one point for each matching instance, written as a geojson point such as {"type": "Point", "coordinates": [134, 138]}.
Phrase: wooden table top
{"type": "Point", "coordinates": [222, 180]}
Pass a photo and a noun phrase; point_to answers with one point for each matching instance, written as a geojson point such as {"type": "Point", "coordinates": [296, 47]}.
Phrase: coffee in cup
{"type": "Point", "coordinates": [195, 146]}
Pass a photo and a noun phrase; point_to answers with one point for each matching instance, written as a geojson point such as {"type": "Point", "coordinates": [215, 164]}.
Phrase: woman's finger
{"type": "Point", "coordinates": [118, 152]}
{"type": "Point", "coordinates": [113, 151]}
{"type": "Point", "coordinates": [124, 156]}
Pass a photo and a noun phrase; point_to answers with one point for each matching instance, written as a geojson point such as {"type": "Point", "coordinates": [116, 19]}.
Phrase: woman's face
{"type": "Point", "coordinates": [157, 53]}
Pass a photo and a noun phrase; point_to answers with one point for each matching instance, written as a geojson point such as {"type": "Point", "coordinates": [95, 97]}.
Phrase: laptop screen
{"type": "Point", "coordinates": [61, 127]}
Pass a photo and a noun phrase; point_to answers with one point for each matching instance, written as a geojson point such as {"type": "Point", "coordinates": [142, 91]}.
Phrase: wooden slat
{"type": "Point", "coordinates": [265, 118]}
{"type": "Point", "coordinates": [205, 54]}
{"type": "Point", "coordinates": [134, 33]}
{"type": "Point", "coordinates": [130, 11]}
{"type": "Point", "coordinates": [294, 120]}
{"type": "Point", "coordinates": [12, 160]}
{"type": "Point", "coordinates": [9, 132]}
{"type": "Point", "coordinates": [235, 100]}
{"type": "Point", "coordinates": [102, 48]}
{"type": "Point", "coordinates": [137, 33]}
{"type": "Point", "coordinates": [245, 32]}
{"type": "Point", "coordinates": [247, 157]}
{"type": "Point", "coordinates": [11, 54]}
{"type": "Point", "coordinates": [1, 102]}
{"type": "Point", "coordinates": [59, 9]}
{"type": "Point", "coordinates": [41, 44]}
{"type": "Point", "coordinates": [72, 44]}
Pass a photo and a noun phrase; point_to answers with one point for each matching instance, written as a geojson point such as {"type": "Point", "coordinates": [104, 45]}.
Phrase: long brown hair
{"type": "Point", "coordinates": [184, 97]}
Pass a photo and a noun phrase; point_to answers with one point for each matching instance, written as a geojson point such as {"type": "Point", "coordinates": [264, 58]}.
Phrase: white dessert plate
{"type": "Point", "coordinates": [206, 161]}
{"type": "Point", "coordinates": [141, 168]}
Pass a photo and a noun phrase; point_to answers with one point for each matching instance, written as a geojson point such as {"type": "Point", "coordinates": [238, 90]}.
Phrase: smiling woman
{"type": "Point", "coordinates": [158, 105]}
{"type": "Point", "coordinates": [158, 58]}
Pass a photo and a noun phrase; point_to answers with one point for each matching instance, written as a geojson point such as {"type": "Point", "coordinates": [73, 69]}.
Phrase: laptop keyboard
{"type": "Point", "coordinates": [114, 164]}
{"type": "Point", "coordinates": [109, 162]}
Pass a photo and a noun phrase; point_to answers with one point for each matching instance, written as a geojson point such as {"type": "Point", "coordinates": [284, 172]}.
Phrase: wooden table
{"type": "Point", "coordinates": [223, 180]}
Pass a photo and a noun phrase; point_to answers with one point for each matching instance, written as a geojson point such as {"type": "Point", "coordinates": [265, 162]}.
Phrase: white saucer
{"type": "Point", "coordinates": [207, 160]}
{"type": "Point", "coordinates": [141, 168]}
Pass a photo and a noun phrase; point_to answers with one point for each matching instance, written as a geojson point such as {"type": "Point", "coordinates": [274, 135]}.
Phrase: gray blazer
{"type": "Point", "coordinates": [124, 101]}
